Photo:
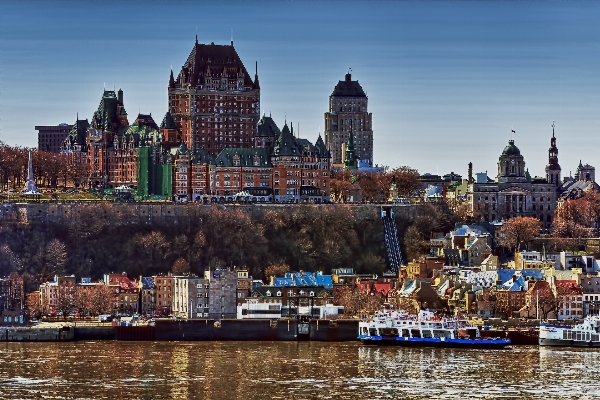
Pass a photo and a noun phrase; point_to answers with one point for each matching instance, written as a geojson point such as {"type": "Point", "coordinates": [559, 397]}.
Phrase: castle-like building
{"type": "Point", "coordinates": [214, 102]}
{"type": "Point", "coordinates": [211, 141]}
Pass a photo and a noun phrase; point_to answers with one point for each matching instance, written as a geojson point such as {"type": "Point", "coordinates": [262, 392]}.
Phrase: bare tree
{"type": "Point", "coordinates": [517, 230]}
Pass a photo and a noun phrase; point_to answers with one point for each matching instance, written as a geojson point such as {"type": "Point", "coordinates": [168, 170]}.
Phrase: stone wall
{"type": "Point", "coordinates": [150, 213]}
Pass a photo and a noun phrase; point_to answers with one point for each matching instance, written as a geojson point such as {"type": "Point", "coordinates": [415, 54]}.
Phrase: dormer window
{"type": "Point", "coordinates": [279, 294]}
{"type": "Point", "coordinates": [268, 293]}
{"type": "Point", "coordinates": [311, 294]}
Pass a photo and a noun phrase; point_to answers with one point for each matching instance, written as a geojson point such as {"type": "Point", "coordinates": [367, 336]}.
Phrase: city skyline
{"type": "Point", "coordinates": [447, 82]}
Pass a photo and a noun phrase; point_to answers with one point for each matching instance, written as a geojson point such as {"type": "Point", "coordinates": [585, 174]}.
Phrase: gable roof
{"type": "Point", "coordinates": [168, 122]}
{"type": "Point", "coordinates": [267, 128]}
{"type": "Point", "coordinates": [286, 144]}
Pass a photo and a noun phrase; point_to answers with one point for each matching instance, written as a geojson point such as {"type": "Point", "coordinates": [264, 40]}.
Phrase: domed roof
{"type": "Point", "coordinates": [511, 149]}
{"type": "Point", "coordinates": [554, 167]}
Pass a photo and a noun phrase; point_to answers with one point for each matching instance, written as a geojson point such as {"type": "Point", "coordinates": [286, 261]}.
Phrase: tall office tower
{"type": "Point", "coordinates": [348, 109]}
{"type": "Point", "coordinates": [214, 102]}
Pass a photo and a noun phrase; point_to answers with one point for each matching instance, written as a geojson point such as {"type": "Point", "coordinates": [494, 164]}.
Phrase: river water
{"type": "Point", "coordinates": [291, 370]}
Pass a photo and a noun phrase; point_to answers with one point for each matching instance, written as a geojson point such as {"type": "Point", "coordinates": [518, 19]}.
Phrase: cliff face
{"type": "Point", "coordinates": [144, 239]}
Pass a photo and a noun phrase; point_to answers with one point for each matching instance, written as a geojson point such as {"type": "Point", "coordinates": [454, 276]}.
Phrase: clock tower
{"type": "Point", "coordinates": [511, 165]}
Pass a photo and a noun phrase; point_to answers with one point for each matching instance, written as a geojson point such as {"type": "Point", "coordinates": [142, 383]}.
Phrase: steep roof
{"type": "Point", "coordinates": [78, 132]}
{"type": "Point", "coordinates": [168, 122]}
{"type": "Point", "coordinates": [320, 145]}
{"type": "Point", "coordinates": [267, 128]}
{"type": "Point", "coordinates": [145, 120]}
{"type": "Point", "coordinates": [221, 61]}
{"type": "Point", "coordinates": [107, 115]}
{"type": "Point", "coordinates": [348, 88]}
{"type": "Point", "coordinates": [246, 156]}
{"type": "Point", "coordinates": [286, 144]}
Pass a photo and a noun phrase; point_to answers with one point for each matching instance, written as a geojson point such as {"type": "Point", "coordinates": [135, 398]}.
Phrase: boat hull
{"type": "Point", "coordinates": [568, 343]}
{"type": "Point", "coordinates": [436, 342]}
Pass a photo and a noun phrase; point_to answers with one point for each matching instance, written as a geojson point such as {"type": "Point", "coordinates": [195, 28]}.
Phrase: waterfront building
{"type": "Point", "coordinates": [125, 293]}
{"type": "Point", "coordinates": [212, 296]}
{"type": "Point", "coordinates": [296, 299]}
{"type": "Point", "coordinates": [244, 286]}
{"type": "Point", "coordinates": [12, 297]}
{"type": "Point", "coordinates": [189, 297]}
{"type": "Point", "coordinates": [214, 101]}
{"type": "Point", "coordinates": [59, 295]}
{"type": "Point", "coordinates": [348, 112]}
{"type": "Point", "coordinates": [569, 299]}
{"type": "Point", "coordinates": [147, 291]}
{"type": "Point", "coordinates": [51, 137]}
{"type": "Point", "coordinates": [165, 287]}
{"type": "Point", "coordinates": [222, 292]}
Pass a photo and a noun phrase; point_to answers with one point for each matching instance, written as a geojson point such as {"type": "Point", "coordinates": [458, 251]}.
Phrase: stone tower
{"type": "Point", "coordinates": [511, 165]}
{"type": "Point", "coordinates": [348, 106]}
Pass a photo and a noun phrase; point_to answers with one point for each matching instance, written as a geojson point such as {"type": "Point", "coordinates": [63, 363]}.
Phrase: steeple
{"type": "Point", "coordinates": [350, 162]}
{"type": "Point", "coordinates": [256, 83]}
{"type": "Point", "coordinates": [553, 170]}
{"type": "Point", "coordinates": [171, 80]}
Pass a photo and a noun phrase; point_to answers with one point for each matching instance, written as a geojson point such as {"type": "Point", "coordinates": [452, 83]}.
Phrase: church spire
{"type": "Point", "coordinates": [171, 80]}
{"type": "Point", "coordinates": [350, 162]}
{"type": "Point", "coordinates": [553, 170]}
{"type": "Point", "coordinates": [256, 83]}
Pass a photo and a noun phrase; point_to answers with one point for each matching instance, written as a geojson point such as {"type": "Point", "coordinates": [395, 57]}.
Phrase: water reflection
{"type": "Point", "coordinates": [256, 370]}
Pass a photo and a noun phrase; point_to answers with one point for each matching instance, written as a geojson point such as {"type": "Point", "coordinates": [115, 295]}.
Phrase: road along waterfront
{"type": "Point", "coordinates": [299, 370]}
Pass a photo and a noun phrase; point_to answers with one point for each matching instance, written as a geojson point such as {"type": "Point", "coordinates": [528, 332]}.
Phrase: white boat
{"type": "Point", "coordinates": [585, 334]}
{"type": "Point", "coordinates": [397, 329]}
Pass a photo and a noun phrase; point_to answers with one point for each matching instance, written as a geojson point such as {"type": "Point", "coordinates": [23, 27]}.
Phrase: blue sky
{"type": "Point", "coordinates": [447, 81]}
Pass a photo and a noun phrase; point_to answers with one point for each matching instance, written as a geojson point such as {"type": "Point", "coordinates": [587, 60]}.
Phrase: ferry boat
{"type": "Point", "coordinates": [397, 329]}
{"type": "Point", "coordinates": [585, 334]}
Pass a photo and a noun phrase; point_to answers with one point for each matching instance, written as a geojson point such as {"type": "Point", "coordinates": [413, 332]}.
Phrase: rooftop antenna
{"type": "Point", "coordinates": [232, 36]}
{"type": "Point", "coordinates": [553, 128]}
{"type": "Point", "coordinates": [104, 85]}
{"type": "Point", "coordinates": [512, 131]}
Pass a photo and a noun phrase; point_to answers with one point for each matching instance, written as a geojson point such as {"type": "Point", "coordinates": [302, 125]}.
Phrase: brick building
{"type": "Point", "coordinates": [214, 102]}
{"type": "Point", "coordinates": [165, 287]}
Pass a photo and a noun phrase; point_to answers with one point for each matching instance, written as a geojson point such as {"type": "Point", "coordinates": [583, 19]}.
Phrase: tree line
{"type": "Point", "coordinates": [49, 169]}
{"type": "Point", "coordinates": [89, 243]}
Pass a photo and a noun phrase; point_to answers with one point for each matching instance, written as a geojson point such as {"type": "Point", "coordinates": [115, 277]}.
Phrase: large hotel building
{"type": "Point", "coordinates": [214, 101]}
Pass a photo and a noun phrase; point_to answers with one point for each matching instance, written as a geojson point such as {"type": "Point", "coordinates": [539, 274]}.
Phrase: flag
{"type": "Point", "coordinates": [513, 131]}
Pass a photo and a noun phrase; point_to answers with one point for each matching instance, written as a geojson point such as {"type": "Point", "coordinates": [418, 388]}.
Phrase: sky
{"type": "Point", "coordinates": [447, 81]}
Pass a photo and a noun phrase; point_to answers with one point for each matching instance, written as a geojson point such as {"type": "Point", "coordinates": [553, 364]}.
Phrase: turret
{"type": "Point", "coordinates": [553, 170]}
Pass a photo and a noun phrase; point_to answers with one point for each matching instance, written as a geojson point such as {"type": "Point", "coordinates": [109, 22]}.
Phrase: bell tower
{"type": "Point", "coordinates": [553, 169]}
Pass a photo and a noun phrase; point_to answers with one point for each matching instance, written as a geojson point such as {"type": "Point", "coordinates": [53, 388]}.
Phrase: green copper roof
{"type": "Point", "coordinates": [247, 157]}
{"type": "Point", "coordinates": [511, 149]}
{"type": "Point", "coordinates": [286, 145]}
